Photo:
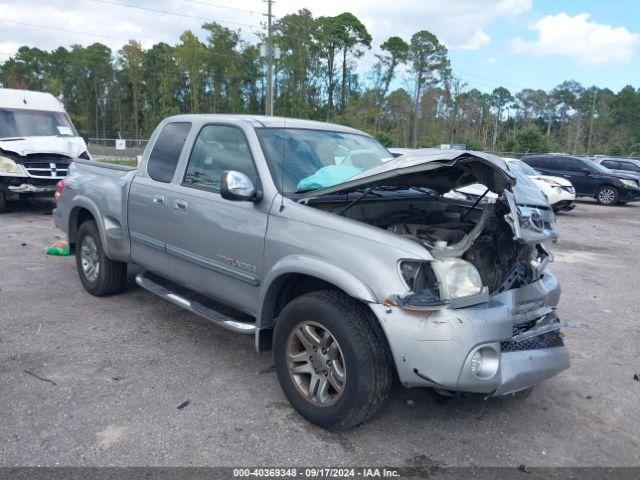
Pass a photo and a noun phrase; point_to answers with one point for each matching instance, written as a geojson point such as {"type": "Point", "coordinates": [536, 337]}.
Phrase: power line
{"type": "Point", "coordinates": [46, 27]}
{"type": "Point", "coordinates": [167, 12]}
{"type": "Point", "coordinates": [235, 9]}
{"type": "Point", "coordinates": [490, 79]}
{"type": "Point", "coordinates": [66, 30]}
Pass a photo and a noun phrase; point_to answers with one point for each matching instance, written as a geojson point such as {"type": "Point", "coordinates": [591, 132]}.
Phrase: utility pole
{"type": "Point", "coordinates": [268, 102]}
{"type": "Point", "coordinates": [593, 111]}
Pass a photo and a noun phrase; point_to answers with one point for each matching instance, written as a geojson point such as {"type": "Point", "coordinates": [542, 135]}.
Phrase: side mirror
{"type": "Point", "coordinates": [586, 170]}
{"type": "Point", "coordinates": [236, 186]}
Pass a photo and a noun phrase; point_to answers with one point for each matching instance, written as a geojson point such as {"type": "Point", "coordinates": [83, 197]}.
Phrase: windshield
{"type": "Point", "coordinates": [598, 168]}
{"type": "Point", "coordinates": [523, 167]}
{"type": "Point", "coordinates": [313, 159]}
{"type": "Point", "coordinates": [34, 123]}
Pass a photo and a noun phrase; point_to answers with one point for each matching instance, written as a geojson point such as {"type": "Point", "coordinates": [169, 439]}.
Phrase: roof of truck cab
{"type": "Point", "coordinates": [29, 100]}
{"type": "Point", "coordinates": [262, 121]}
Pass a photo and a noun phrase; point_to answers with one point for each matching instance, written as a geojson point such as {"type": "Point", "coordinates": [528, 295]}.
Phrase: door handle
{"type": "Point", "coordinates": [180, 205]}
{"type": "Point", "coordinates": [158, 199]}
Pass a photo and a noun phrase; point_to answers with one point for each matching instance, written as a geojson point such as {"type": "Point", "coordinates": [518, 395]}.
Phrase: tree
{"type": "Point", "coordinates": [429, 63]}
{"type": "Point", "coordinates": [224, 67]}
{"type": "Point", "coordinates": [131, 62]}
{"type": "Point", "coordinates": [328, 36]}
{"type": "Point", "coordinates": [396, 53]}
{"type": "Point", "coordinates": [164, 85]}
{"type": "Point", "coordinates": [500, 97]}
{"type": "Point", "coordinates": [528, 140]}
{"type": "Point", "coordinates": [352, 33]}
{"type": "Point", "coordinates": [190, 53]}
{"type": "Point", "coordinates": [315, 78]}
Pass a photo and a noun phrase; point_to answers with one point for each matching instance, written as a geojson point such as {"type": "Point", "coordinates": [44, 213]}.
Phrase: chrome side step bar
{"type": "Point", "coordinates": [195, 307]}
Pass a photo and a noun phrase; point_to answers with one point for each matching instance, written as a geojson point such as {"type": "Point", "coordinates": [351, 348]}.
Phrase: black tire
{"type": "Point", "coordinates": [368, 373]}
{"type": "Point", "coordinates": [607, 195]}
{"type": "Point", "coordinates": [3, 203]}
{"type": "Point", "coordinates": [111, 275]}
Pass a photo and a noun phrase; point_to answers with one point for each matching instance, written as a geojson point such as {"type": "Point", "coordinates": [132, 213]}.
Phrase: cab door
{"type": "Point", "coordinates": [149, 195]}
{"type": "Point", "coordinates": [216, 246]}
{"type": "Point", "coordinates": [580, 175]}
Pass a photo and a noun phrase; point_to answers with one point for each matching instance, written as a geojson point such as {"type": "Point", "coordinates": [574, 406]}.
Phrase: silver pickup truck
{"type": "Point", "coordinates": [353, 266]}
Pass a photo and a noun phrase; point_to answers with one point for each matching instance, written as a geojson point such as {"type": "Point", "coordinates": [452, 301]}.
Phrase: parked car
{"type": "Point", "coordinates": [37, 143]}
{"type": "Point", "coordinates": [559, 191]}
{"type": "Point", "coordinates": [525, 192]}
{"type": "Point", "coordinates": [621, 165]}
{"type": "Point", "coordinates": [590, 179]}
{"type": "Point", "coordinates": [350, 265]}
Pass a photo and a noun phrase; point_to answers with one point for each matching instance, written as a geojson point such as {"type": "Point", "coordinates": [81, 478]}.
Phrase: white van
{"type": "Point", "coordinates": [37, 144]}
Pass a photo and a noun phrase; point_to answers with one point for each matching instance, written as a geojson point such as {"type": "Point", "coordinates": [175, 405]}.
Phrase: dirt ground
{"type": "Point", "coordinates": [89, 381]}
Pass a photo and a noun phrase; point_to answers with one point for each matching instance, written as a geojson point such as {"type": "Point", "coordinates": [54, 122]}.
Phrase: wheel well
{"type": "Point", "coordinates": [290, 286]}
{"type": "Point", "coordinates": [78, 216]}
{"type": "Point", "coordinates": [295, 285]}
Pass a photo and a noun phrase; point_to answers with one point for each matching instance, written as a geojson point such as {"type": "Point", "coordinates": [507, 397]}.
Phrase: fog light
{"type": "Point", "coordinates": [485, 363]}
{"type": "Point", "coordinates": [476, 363]}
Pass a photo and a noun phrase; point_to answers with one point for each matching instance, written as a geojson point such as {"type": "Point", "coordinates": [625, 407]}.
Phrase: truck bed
{"type": "Point", "coordinates": [100, 188]}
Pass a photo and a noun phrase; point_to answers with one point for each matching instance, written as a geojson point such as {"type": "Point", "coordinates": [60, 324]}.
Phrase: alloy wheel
{"type": "Point", "coordinates": [89, 258]}
{"type": "Point", "coordinates": [315, 363]}
{"type": "Point", "coordinates": [606, 196]}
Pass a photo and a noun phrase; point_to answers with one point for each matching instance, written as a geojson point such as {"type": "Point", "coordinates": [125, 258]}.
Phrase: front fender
{"type": "Point", "coordinates": [313, 267]}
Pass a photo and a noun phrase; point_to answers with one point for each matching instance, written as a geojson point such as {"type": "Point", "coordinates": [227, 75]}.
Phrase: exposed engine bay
{"type": "Point", "coordinates": [454, 228]}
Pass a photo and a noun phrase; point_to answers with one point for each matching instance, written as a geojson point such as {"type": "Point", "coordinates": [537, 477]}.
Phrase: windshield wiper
{"type": "Point", "coordinates": [305, 190]}
{"type": "Point", "coordinates": [9, 139]}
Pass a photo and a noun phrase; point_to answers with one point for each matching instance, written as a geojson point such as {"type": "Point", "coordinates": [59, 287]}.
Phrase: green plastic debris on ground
{"type": "Point", "coordinates": [59, 248]}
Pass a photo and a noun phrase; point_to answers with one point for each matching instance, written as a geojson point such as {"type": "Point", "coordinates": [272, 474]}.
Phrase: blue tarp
{"type": "Point", "coordinates": [328, 176]}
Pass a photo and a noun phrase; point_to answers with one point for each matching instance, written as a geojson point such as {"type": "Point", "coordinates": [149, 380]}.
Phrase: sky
{"type": "Point", "coordinates": [512, 43]}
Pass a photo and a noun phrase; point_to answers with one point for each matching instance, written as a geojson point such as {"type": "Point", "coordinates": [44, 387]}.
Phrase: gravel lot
{"type": "Point", "coordinates": [106, 375]}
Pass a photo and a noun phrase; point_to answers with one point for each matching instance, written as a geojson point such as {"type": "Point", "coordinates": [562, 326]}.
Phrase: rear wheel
{"type": "Point", "coordinates": [330, 364]}
{"type": "Point", "coordinates": [98, 273]}
{"type": "Point", "coordinates": [607, 195]}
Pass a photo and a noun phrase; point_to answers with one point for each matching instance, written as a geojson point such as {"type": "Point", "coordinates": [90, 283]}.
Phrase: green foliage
{"type": "Point", "coordinates": [528, 140]}
{"type": "Point", "coordinates": [129, 91]}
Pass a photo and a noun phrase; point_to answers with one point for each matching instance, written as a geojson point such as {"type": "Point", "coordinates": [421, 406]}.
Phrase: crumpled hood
{"type": "Point", "coordinates": [438, 170]}
{"type": "Point", "coordinates": [70, 146]}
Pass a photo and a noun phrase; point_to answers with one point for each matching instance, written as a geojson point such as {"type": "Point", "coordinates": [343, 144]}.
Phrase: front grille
{"type": "Point", "coordinates": [546, 340]}
{"type": "Point", "coordinates": [47, 166]}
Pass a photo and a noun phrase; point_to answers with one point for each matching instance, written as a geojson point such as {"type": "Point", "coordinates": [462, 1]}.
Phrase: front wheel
{"type": "Point", "coordinates": [332, 367]}
{"type": "Point", "coordinates": [3, 203]}
{"type": "Point", "coordinates": [607, 195]}
{"type": "Point", "coordinates": [98, 273]}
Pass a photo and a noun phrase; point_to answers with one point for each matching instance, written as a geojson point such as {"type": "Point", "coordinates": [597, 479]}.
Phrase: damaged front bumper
{"type": "Point", "coordinates": [29, 188]}
{"type": "Point", "coordinates": [518, 328]}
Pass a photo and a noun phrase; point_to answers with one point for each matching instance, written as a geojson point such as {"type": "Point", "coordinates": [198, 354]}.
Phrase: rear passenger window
{"type": "Point", "coordinates": [166, 151]}
{"type": "Point", "coordinates": [632, 167]}
{"type": "Point", "coordinates": [219, 148]}
{"type": "Point", "coordinates": [573, 165]}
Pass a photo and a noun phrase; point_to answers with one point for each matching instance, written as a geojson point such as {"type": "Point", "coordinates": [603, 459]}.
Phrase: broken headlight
{"type": "Point", "coordinates": [9, 167]}
{"type": "Point", "coordinates": [447, 279]}
{"type": "Point", "coordinates": [457, 278]}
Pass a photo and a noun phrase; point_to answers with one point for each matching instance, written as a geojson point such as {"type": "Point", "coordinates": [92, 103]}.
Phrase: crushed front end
{"type": "Point", "coordinates": [479, 316]}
